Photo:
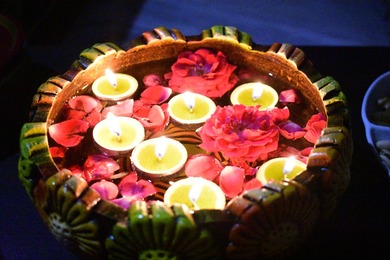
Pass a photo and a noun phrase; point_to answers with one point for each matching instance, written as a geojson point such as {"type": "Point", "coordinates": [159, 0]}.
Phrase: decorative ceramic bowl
{"type": "Point", "coordinates": [270, 221]}
{"type": "Point", "coordinates": [376, 118]}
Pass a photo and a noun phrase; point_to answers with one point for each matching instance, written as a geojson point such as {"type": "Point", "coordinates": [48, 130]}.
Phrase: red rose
{"type": "Point", "coordinates": [240, 132]}
{"type": "Point", "coordinates": [202, 72]}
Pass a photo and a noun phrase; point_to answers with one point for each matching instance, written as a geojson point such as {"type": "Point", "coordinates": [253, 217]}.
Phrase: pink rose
{"type": "Point", "coordinates": [240, 132]}
{"type": "Point", "coordinates": [202, 72]}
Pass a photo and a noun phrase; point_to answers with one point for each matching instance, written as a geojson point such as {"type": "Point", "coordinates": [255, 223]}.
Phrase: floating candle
{"type": "Point", "coordinates": [197, 193]}
{"type": "Point", "coordinates": [114, 86]}
{"type": "Point", "coordinates": [190, 110]}
{"type": "Point", "coordinates": [159, 158]}
{"type": "Point", "coordinates": [278, 169]}
{"type": "Point", "coordinates": [117, 136]}
{"type": "Point", "coordinates": [254, 94]}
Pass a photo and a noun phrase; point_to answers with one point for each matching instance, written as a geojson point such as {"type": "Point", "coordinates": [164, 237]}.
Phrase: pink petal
{"type": "Point", "coordinates": [124, 108]}
{"type": "Point", "coordinates": [155, 94]}
{"type": "Point", "coordinates": [106, 189]}
{"type": "Point", "coordinates": [253, 184]}
{"type": "Point", "coordinates": [290, 96]}
{"type": "Point", "coordinates": [99, 166]}
{"type": "Point", "coordinates": [131, 188]}
{"type": "Point", "coordinates": [68, 133]}
{"type": "Point", "coordinates": [153, 80]}
{"type": "Point", "coordinates": [231, 181]}
{"type": "Point", "coordinates": [125, 203]}
{"type": "Point", "coordinates": [203, 165]}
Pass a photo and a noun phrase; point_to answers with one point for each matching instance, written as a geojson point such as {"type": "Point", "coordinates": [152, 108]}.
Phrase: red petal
{"type": "Point", "coordinates": [253, 184]}
{"type": "Point", "coordinates": [57, 151]}
{"type": "Point", "coordinates": [93, 118]}
{"type": "Point", "coordinates": [291, 130]}
{"type": "Point", "coordinates": [231, 181]}
{"type": "Point", "coordinates": [84, 103]}
{"type": "Point", "coordinates": [124, 108]}
{"type": "Point", "coordinates": [68, 133]}
{"type": "Point", "coordinates": [155, 94]}
{"type": "Point", "coordinates": [106, 189]}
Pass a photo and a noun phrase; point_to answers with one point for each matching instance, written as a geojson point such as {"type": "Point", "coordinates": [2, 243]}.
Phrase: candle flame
{"type": "Point", "coordinates": [289, 165]}
{"type": "Point", "coordinates": [257, 91]}
{"type": "Point", "coordinates": [194, 194]}
{"type": "Point", "coordinates": [111, 78]}
{"type": "Point", "coordinates": [114, 126]}
{"type": "Point", "coordinates": [161, 148]}
{"type": "Point", "coordinates": [189, 100]}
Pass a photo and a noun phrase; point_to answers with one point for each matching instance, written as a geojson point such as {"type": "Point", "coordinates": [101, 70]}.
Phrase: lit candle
{"type": "Point", "coordinates": [114, 86]}
{"type": "Point", "coordinates": [197, 193]}
{"type": "Point", "coordinates": [159, 158]}
{"type": "Point", "coordinates": [117, 136]}
{"type": "Point", "coordinates": [279, 169]}
{"type": "Point", "coordinates": [190, 110]}
{"type": "Point", "coordinates": [254, 94]}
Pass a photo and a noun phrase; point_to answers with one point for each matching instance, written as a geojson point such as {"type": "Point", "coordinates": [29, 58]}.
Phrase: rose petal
{"type": "Point", "coordinates": [291, 130]}
{"type": "Point", "coordinates": [131, 188]}
{"type": "Point", "coordinates": [202, 165]}
{"type": "Point", "coordinates": [124, 203]}
{"type": "Point", "coordinates": [231, 181]}
{"type": "Point", "coordinates": [84, 103]}
{"type": "Point", "coordinates": [155, 94]}
{"type": "Point", "coordinates": [99, 166]}
{"type": "Point", "coordinates": [290, 96]}
{"type": "Point", "coordinates": [153, 80]}
{"type": "Point", "coordinates": [57, 151]}
{"type": "Point", "coordinates": [314, 127]}
{"type": "Point", "coordinates": [124, 108]}
{"type": "Point", "coordinates": [106, 189]}
{"type": "Point", "coordinates": [252, 184]}
{"type": "Point", "coordinates": [68, 133]}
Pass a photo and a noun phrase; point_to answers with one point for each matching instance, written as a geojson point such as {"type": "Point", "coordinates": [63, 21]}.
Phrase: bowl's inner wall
{"type": "Point", "coordinates": [268, 67]}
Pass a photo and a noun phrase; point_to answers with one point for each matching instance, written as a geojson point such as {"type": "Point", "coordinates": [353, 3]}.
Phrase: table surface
{"type": "Point", "coordinates": [359, 226]}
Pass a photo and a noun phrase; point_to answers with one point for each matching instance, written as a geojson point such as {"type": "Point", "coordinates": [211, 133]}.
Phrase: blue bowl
{"type": "Point", "coordinates": [374, 131]}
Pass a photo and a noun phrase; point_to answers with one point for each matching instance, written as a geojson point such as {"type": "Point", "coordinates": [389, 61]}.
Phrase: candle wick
{"type": "Point", "coordinates": [118, 136]}
{"type": "Point", "coordinates": [191, 108]}
{"type": "Point", "coordinates": [194, 194]}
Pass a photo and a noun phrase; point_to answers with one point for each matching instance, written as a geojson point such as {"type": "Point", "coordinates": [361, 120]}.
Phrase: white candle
{"type": "Point", "coordinates": [114, 86]}
{"type": "Point", "coordinates": [197, 193]}
{"type": "Point", "coordinates": [117, 136]}
{"type": "Point", "coordinates": [255, 94]}
{"type": "Point", "coordinates": [159, 158]}
{"type": "Point", "coordinates": [279, 169]}
{"type": "Point", "coordinates": [190, 110]}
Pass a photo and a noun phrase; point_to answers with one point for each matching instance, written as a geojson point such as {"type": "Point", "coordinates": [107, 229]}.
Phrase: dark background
{"type": "Point", "coordinates": [348, 41]}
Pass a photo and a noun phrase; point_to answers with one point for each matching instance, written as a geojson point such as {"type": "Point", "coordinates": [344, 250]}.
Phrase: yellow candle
{"type": "Point", "coordinates": [159, 158]}
{"type": "Point", "coordinates": [278, 169]}
{"type": "Point", "coordinates": [254, 94]}
{"type": "Point", "coordinates": [117, 136]}
{"type": "Point", "coordinates": [197, 193]}
{"type": "Point", "coordinates": [114, 86]}
{"type": "Point", "coordinates": [190, 110]}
